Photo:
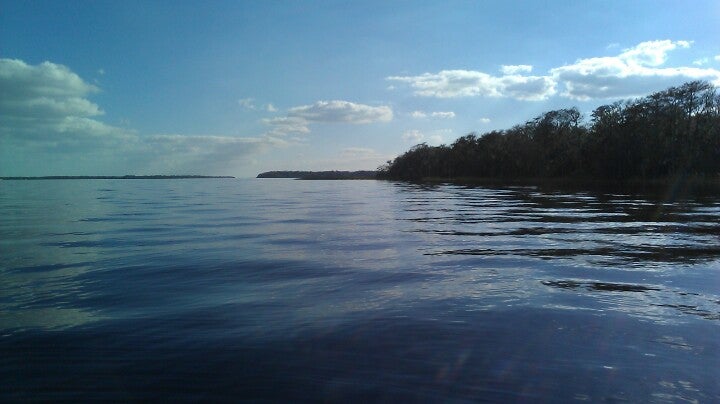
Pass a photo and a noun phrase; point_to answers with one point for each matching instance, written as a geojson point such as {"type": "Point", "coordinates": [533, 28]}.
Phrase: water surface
{"type": "Point", "coordinates": [355, 290]}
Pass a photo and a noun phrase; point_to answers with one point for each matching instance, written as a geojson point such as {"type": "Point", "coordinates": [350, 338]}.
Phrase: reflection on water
{"type": "Point", "coordinates": [287, 290]}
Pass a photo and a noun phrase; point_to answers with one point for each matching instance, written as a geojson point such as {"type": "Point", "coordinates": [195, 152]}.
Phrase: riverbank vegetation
{"type": "Point", "coordinates": [675, 132]}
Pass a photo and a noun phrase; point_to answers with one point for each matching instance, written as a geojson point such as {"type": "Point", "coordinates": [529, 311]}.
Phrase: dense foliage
{"type": "Point", "coordinates": [676, 131]}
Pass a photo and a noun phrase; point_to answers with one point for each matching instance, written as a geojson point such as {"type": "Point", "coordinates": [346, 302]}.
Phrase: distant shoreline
{"type": "Point", "coordinates": [115, 177]}
{"type": "Point", "coordinates": [321, 175]}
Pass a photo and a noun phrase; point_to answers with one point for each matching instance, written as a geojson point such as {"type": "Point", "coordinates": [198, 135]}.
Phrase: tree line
{"type": "Point", "coordinates": [670, 132]}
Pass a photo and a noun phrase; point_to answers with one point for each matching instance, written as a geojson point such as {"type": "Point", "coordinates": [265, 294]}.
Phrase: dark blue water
{"type": "Point", "coordinates": [222, 290]}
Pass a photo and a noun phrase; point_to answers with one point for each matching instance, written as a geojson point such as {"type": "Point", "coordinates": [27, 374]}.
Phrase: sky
{"type": "Point", "coordinates": [241, 87]}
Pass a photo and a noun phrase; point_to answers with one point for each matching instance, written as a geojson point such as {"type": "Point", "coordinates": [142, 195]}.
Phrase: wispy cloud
{"type": "Point", "coordinates": [468, 83]}
{"type": "Point", "coordinates": [436, 114]}
{"type": "Point", "coordinates": [251, 105]}
{"type": "Point", "coordinates": [634, 71]}
{"type": "Point", "coordinates": [247, 103]}
{"type": "Point", "coordinates": [286, 125]}
{"type": "Point", "coordinates": [298, 119]}
{"type": "Point", "coordinates": [515, 69]}
{"type": "Point", "coordinates": [342, 112]}
{"type": "Point", "coordinates": [188, 153]}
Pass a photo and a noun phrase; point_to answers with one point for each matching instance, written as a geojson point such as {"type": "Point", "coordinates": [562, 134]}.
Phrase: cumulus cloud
{"type": "Point", "coordinates": [515, 69]}
{"type": "Point", "coordinates": [468, 83]}
{"type": "Point", "coordinates": [342, 112]}
{"type": "Point", "coordinates": [45, 111]}
{"type": "Point", "coordinates": [270, 108]}
{"type": "Point", "coordinates": [484, 120]}
{"type": "Point", "coordinates": [48, 102]}
{"type": "Point", "coordinates": [634, 71]}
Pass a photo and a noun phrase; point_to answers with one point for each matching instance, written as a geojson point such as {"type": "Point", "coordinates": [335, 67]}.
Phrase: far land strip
{"type": "Point", "coordinates": [115, 177]}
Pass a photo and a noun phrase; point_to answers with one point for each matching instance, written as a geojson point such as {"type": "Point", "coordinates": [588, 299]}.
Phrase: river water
{"type": "Point", "coordinates": [283, 290]}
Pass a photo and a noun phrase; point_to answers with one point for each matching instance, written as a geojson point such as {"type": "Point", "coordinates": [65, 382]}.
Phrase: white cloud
{"type": "Point", "coordinates": [484, 120]}
{"type": "Point", "coordinates": [342, 112]}
{"type": "Point", "coordinates": [651, 53]}
{"type": "Point", "coordinates": [437, 114]}
{"type": "Point", "coordinates": [299, 118]}
{"type": "Point", "coordinates": [45, 115]}
{"type": "Point", "coordinates": [443, 114]}
{"type": "Point", "coordinates": [468, 83]}
{"type": "Point", "coordinates": [270, 108]}
{"type": "Point", "coordinates": [635, 71]}
{"type": "Point", "coordinates": [17, 78]}
{"type": "Point", "coordinates": [717, 58]}
{"type": "Point", "coordinates": [515, 69]}
{"type": "Point", "coordinates": [700, 62]}
{"type": "Point", "coordinates": [413, 136]}
{"type": "Point", "coordinates": [47, 102]}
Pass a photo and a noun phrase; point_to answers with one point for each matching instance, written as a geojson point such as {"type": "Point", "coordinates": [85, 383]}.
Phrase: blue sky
{"type": "Point", "coordinates": [240, 87]}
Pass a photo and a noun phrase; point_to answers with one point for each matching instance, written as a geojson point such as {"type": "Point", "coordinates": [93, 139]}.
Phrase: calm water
{"type": "Point", "coordinates": [355, 290]}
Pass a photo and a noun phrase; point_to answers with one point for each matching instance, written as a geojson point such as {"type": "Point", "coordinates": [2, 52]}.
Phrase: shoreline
{"type": "Point", "coordinates": [113, 177]}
